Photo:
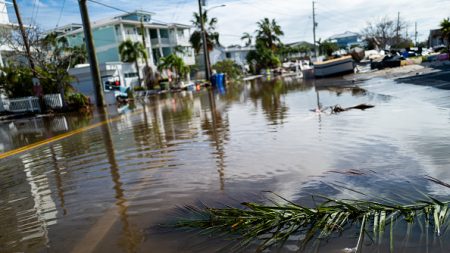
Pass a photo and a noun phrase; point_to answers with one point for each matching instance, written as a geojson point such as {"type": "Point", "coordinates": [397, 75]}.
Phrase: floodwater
{"type": "Point", "coordinates": [107, 188]}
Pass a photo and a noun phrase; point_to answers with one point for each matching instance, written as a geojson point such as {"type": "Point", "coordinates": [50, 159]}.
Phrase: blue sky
{"type": "Point", "coordinates": [333, 16]}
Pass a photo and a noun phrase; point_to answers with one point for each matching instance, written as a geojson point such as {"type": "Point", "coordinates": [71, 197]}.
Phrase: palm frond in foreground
{"type": "Point", "coordinates": [273, 224]}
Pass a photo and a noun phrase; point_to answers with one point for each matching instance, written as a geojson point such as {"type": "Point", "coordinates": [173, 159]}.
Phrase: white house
{"type": "Point", "coordinates": [161, 39]}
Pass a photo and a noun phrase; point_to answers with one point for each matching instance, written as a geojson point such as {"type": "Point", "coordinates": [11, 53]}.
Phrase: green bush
{"type": "Point", "coordinates": [229, 67]}
{"type": "Point", "coordinates": [138, 88]}
{"type": "Point", "coordinates": [77, 101]}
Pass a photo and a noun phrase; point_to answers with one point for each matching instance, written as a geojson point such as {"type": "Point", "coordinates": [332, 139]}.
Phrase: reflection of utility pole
{"type": "Point", "coordinates": [91, 52]}
{"type": "Point", "coordinates": [205, 46]}
{"type": "Point", "coordinates": [314, 28]}
{"type": "Point", "coordinates": [218, 144]}
{"type": "Point", "coordinates": [119, 193]}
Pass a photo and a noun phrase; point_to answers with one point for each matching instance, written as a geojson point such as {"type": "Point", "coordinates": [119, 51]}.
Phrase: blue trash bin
{"type": "Point", "coordinates": [220, 79]}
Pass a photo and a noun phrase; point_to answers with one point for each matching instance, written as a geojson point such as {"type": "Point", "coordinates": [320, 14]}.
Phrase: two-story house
{"type": "Point", "coordinates": [161, 39]}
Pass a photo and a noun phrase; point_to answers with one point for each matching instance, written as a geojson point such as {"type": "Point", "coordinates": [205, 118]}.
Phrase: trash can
{"type": "Point", "coordinates": [220, 81]}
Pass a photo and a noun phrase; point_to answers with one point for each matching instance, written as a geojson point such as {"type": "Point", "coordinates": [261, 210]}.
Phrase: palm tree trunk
{"type": "Point", "coordinates": [138, 72]}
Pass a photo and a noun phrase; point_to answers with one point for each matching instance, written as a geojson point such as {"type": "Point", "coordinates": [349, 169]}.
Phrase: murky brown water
{"type": "Point", "coordinates": [105, 189]}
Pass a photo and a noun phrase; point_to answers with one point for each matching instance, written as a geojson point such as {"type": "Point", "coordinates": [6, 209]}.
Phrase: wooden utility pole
{"type": "Point", "coordinates": [144, 42]}
{"type": "Point", "coordinates": [24, 37]}
{"type": "Point", "coordinates": [205, 46]}
{"type": "Point", "coordinates": [91, 53]}
{"type": "Point", "coordinates": [397, 37]}
{"type": "Point", "coordinates": [314, 29]}
{"type": "Point", "coordinates": [415, 34]}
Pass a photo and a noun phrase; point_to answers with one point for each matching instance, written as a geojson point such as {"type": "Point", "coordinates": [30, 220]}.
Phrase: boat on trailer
{"type": "Point", "coordinates": [338, 66]}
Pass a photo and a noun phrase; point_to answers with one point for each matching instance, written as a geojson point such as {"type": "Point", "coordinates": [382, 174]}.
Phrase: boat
{"type": "Point", "coordinates": [338, 66]}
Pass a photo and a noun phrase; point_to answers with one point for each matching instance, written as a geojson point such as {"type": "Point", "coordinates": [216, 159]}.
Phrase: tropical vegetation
{"type": "Point", "coordinates": [212, 36]}
{"type": "Point", "coordinates": [268, 44]}
{"type": "Point", "coordinates": [445, 28]}
{"type": "Point", "coordinates": [232, 70]}
{"type": "Point", "coordinates": [52, 58]}
{"type": "Point", "coordinates": [176, 65]}
{"type": "Point", "coordinates": [131, 52]}
{"type": "Point", "coordinates": [247, 38]}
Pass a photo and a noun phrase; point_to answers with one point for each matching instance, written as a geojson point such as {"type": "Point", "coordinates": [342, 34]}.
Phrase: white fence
{"type": "Point", "coordinates": [30, 104]}
{"type": "Point", "coordinates": [27, 104]}
{"type": "Point", "coordinates": [53, 101]}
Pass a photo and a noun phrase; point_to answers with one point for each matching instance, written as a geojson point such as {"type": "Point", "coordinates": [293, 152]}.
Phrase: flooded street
{"type": "Point", "coordinates": [106, 187]}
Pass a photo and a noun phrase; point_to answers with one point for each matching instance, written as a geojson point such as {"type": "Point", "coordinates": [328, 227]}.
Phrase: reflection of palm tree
{"type": "Point", "coordinates": [131, 52]}
{"type": "Point", "coordinates": [270, 95]}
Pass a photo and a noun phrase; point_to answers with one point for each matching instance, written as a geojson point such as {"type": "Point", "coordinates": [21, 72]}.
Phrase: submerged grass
{"type": "Point", "coordinates": [274, 223]}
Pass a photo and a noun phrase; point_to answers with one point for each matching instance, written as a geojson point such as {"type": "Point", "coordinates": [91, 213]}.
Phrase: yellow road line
{"type": "Point", "coordinates": [58, 137]}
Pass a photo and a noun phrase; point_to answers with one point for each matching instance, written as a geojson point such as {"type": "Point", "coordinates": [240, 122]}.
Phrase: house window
{"type": "Point", "coordinates": [180, 33]}
{"type": "Point", "coordinates": [164, 33]}
{"type": "Point", "coordinates": [166, 51]}
{"type": "Point", "coordinates": [228, 55]}
{"type": "Point", "coordinates": [153, 33]}
{"type": "Point", "coordinates": [156, 55]}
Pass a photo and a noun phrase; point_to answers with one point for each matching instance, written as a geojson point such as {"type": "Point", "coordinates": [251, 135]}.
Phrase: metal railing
{"type": "Point", "coordinates": [30, 104]}
{"type": "Point", "coordinates": [53, 101]}
{"type": "Point", "coordinates": [26, 104]}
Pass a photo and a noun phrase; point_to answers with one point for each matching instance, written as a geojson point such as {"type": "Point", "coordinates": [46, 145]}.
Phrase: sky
{"type": "Point", "coordinates": [239, 16]}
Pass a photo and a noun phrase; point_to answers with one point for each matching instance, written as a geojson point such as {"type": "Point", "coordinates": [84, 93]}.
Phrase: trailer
{"type": "Point", "coordinates": [116, 77]}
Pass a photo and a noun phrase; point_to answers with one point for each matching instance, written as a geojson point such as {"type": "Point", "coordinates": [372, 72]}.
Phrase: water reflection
{"type": "Point", "coordinates": [100, 189]}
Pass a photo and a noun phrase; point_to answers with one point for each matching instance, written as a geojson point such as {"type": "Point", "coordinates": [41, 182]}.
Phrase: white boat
{"type": "Point", "coordinates": [337, 66]}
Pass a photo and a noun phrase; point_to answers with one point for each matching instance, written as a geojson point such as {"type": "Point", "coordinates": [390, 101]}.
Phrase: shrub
{"type": "Point", "coordinates": [229, 67]}
{"type": "Point", "coordinates": [77, 101]}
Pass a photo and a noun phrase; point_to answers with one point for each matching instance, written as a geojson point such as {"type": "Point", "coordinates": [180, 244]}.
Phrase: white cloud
{"type": "Point", "coordinates": [333, 16]}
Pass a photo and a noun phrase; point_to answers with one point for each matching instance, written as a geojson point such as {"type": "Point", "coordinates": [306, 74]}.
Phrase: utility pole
{"type": "Point", "coordinates": [314, 29]}
{"type": "Point", "coordinates": [91, 52]}
{"type": "Point", "coordinates": [415, 34]}
{"type": "Point", "coordinates": [36, 85]}
{"type": "Point", "coordinates": [398, 29]}
{"type": "Point", "coordinates": [24, 37]}
{"type": "Point", "coordinates": [144, 42]}
{"type": "Point", "coordinates": [205, 46]}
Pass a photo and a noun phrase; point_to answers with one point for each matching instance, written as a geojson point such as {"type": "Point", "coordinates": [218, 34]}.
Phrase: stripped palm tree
{"type": "Point", "coordinates": [131, 52]}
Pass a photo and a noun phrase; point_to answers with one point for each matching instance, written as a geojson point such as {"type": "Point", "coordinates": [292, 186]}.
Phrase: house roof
{"type": "Point", "coordinates": [343, 35]}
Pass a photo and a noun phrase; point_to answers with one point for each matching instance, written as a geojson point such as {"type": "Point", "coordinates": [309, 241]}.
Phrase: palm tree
{"type": "Point", "coordinates": [131, 52]}
{"type": "Point", "coordinates": [247, 37]}
{"type": "Point", "coordinates": [212, 37]}
{"type": "Point", "coordinates": [445, 28]}
{"type": "Point", "coordinates": [175, 64]}
{"type": "Point", "coordinates": [269, 33]}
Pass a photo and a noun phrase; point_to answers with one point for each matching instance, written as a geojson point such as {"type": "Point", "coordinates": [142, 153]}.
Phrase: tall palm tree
{"type": "Point", "coordinates": [131, 52]}
{"type": "Point", "coordinates": [445, 28]}
{"type": "Point", "coordinates": [269, 33]}
{"type": "Point", "coordinates": [247, 37]}
{"type": "Point", "coordinates": [212, 36]}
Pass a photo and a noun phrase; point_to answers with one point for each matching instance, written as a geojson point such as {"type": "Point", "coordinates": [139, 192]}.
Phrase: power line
{"type": "Point", "coordinates": [60, 13]}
